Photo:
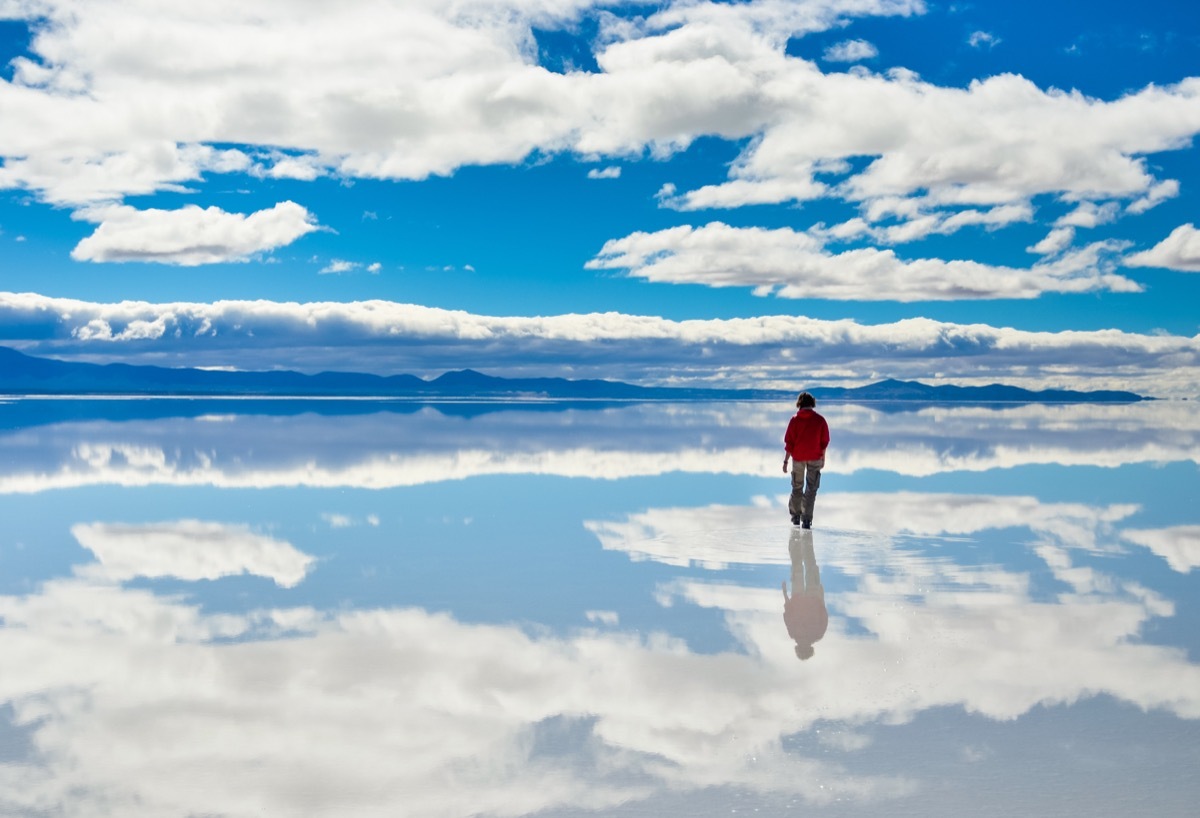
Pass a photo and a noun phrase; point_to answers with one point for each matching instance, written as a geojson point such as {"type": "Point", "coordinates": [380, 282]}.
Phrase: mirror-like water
{"type": "Point", "coordinates": [249, 608]}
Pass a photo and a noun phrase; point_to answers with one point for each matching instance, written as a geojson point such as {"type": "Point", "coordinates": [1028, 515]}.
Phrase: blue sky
{"type": "Point", "coordinates": [740, 193]}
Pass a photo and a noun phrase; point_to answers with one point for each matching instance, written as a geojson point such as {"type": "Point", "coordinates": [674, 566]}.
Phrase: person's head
{"type": "Point", "coordinates": [804, 651]}
{"type": "Point", "coordinates": [806, 401]}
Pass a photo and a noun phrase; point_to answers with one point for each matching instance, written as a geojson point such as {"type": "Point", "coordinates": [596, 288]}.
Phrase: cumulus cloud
{"type": "Point", "coordinates": [897, 220]}
{"type": "Point", "coordinates": [1057, 240]}
{"type": "Point", "coordinates": [188, 550]}
{"type": "Point", "coordinates": [1167, 189]}
{"type": "Point", "coordinates": [81, 174]}
{"type": "Point", "coordinates": [998, 141]}
{"type": "Point", "coordinates": [1089, 215]}
{"type": "Point", "coordinates": [388, 337]}
{"type": "Point", "coordinates": [790, 264]}
{"type": "Point", "coordinates": [116, 100]}
{"type": "Point", "coordinates": [191, 235]}
{"type": "Point", "coordinates": [611, 172]}
{"type": "Point", "coordinates": [1178, 251]}
{"type": "Point", "coordinates": [851, 51]}
{"type": "Point", "coordinates": [277, 165]}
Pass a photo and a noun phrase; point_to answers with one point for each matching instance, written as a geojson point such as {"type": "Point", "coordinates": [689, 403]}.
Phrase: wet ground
{"type": "Point", "coordinates": [248, 608]}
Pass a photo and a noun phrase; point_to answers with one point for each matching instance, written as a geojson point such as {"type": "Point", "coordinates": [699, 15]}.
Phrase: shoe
{"type": "Point", "coordinates": [795, 520]}
{"type": "Point", "coordinates": [806, 524]}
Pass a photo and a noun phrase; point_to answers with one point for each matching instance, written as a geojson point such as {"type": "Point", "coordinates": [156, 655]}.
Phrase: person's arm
{"type": "Point", "coordinates": [787, 445]}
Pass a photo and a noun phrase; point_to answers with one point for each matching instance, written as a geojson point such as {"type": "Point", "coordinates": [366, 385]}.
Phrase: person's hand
{"type": "Point", "coordinates": [785, 465]}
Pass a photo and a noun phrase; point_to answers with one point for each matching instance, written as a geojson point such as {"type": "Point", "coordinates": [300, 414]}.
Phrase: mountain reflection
{"type": "Point", "coordinates": [424, 445]}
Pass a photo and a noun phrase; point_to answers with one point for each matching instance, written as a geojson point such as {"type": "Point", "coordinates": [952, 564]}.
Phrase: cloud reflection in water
{"type": "Point", "coordinates": [140, 705]}
{"type": "Point", "coordinates": [134, 695]}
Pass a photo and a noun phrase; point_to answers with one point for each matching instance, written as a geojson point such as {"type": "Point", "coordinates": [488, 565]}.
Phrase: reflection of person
{"type": "Point", "coordinates": [805, 441]}
{"type": "Point", "coordinates": [804, 611]}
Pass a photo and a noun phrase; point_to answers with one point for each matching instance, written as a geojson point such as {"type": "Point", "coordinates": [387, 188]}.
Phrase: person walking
{"type": "Point", "coordinates": [804, 443]}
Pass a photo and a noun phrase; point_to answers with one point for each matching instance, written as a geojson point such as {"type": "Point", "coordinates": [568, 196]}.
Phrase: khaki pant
{"type": "Point", "coordinates": [806, 479]}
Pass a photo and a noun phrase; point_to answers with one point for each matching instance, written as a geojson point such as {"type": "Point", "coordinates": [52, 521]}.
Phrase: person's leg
{"type": "Point", "coordinates": [812, 482]}
{"type": "Point", "coordinates": [797, 491]}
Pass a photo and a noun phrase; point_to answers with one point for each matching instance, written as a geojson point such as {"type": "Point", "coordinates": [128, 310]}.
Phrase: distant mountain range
{"type": "Point", "coordinates": [893, 390]}
{"type": "Point", "coordinates": [22, 374]}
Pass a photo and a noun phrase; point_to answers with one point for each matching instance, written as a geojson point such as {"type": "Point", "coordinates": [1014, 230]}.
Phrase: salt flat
{"type": "Point", "coordinates": [584, 610]}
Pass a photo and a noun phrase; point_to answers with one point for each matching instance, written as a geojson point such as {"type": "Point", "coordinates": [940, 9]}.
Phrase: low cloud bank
{"type": "Point", "coordinates": [388, 337]}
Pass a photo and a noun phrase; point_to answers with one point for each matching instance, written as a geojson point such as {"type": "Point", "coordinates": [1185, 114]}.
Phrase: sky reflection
{"type": "Point", "coordinates": [580, 613]}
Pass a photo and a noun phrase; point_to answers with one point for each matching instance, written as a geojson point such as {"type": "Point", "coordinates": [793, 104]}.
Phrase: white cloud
{"type": "Point", "coordinates": [1089, 214]}
{"type": "Point", "coordinates": [188, 550]}
{"type": "Point", "coordinates": [998, 141]}
{"type": "Point", "coordinates": [338, 266]}
{"type": "Point", "coordinates": [797, 265]}
{"type": "Point", "coordinates": [1178, 251]}
{"type": "Point", "coordinates": [919, 224]}
{"type": "Point", "coordinates": [851, 51]}
{"type": "Point", "coordinates": [82, 174]}
{"type": "Point", "coordinates": [316, 336]}
{"type": "Point", "coordinates": [1158, 194]}
{"type": "Point", "coordinates": [981, 39]}
{"type": "Point", "coordinates": [304, 168]}
{"type": "Point", "coordinates": [189, 236]}
{"type": "Point", "coordinates": [915, 220]}
{"type": "Point", "coordinates": [1178, 545]}
{"type": "Point", "coordinates": [611, 172]}
{"type": "Point", "coordinates": [127, 100]}
{"type": "Point", "coordinates": [1057, 240]}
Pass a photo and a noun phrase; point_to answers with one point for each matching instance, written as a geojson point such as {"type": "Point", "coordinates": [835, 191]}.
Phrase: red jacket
{"type": "Point", "coordinates": [807, 436]}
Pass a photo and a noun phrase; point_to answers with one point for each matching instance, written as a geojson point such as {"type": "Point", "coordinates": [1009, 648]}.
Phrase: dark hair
{"type": "Point", "coordinates": [806, 401]}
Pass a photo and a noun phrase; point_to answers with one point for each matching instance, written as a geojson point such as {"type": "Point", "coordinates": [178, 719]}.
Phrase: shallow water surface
{"type": "Point", "coordinates": [248, 608]}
